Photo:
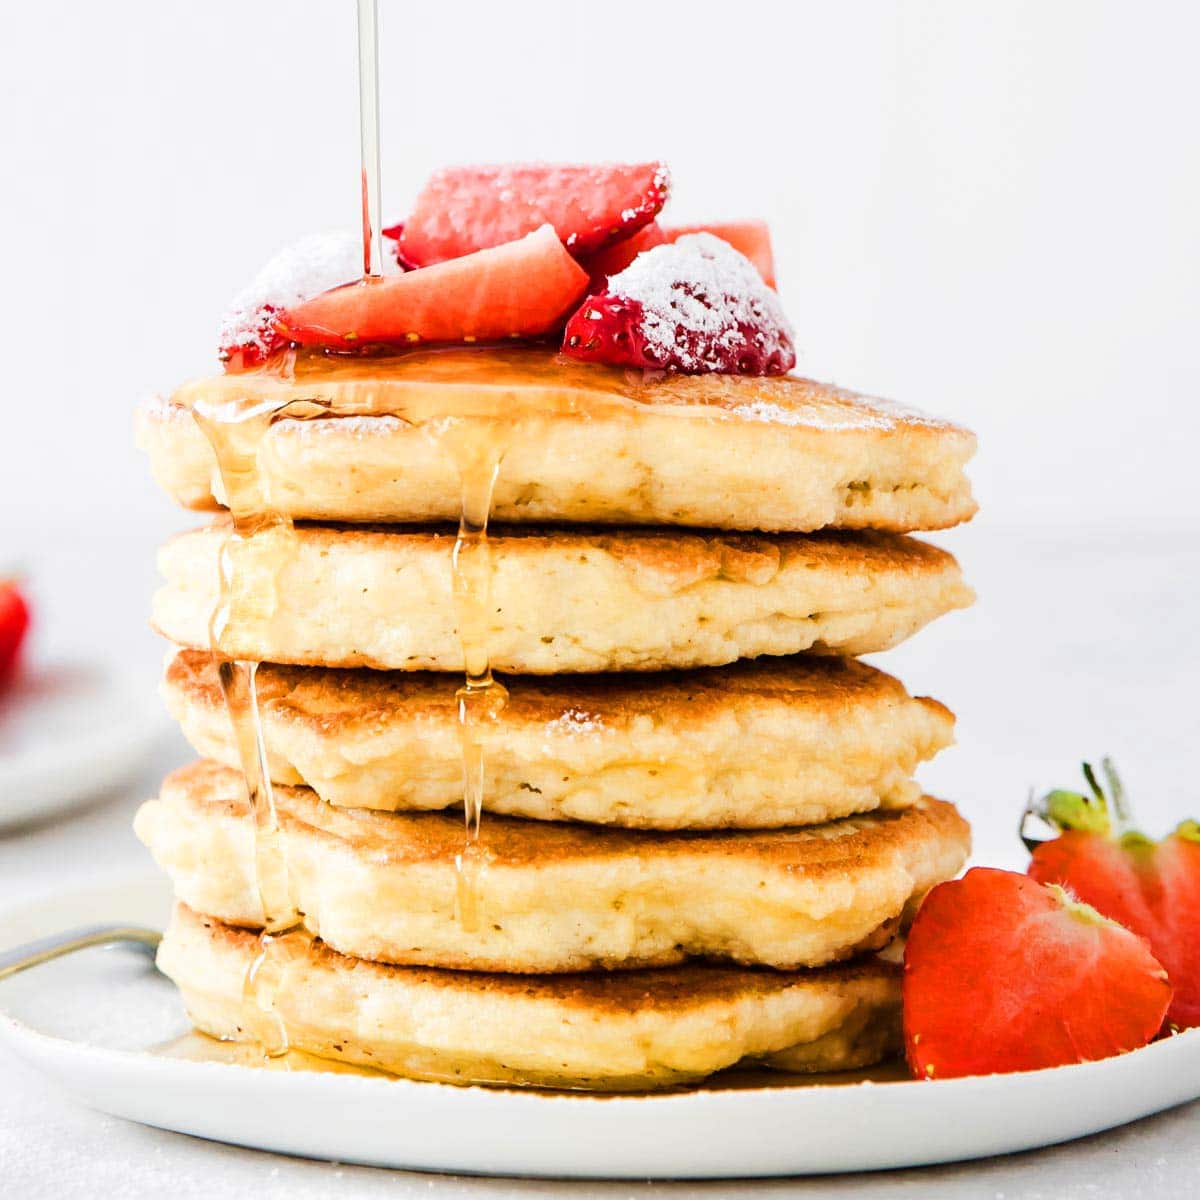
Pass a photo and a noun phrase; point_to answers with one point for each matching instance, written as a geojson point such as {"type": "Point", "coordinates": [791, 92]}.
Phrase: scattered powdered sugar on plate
{"type": "Point", "coordinates": [307, 267]}
{"type": "Point", "coordinates": [700, 298]}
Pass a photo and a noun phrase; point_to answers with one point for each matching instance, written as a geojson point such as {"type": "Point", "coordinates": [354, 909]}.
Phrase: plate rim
{"type": "Point", "coordinates": [82, 1067]}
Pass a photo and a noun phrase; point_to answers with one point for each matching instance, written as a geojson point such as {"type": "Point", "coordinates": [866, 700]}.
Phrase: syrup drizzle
{"type": "Point", "coordinates": [252, 558]}
{"type": "Point", "coordinates": [476, 452]}
{"type": "Point", "coordinates": [256, 553]}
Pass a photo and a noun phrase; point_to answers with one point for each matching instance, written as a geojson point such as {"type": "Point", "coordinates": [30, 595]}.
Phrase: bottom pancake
{"type": "Point", "coordinates": [627, 1031]}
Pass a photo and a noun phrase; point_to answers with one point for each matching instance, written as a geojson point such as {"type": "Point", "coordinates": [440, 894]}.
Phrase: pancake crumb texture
{"type": "Point", "coordinates": [568, 601]}
{"type": "Point", "coordinates": [628, 1031]}
{"type": "Point", "coordinates": [777, 742]}
{"type": "Point", "coordinates": [557, 897]}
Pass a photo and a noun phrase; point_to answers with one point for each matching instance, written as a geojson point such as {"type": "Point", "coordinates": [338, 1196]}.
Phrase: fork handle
{"type": "Point", "coordinates": [33, 954]}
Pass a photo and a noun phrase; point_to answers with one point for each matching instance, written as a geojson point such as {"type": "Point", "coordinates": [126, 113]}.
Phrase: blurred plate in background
{"type": "Point", "coordinates": [70, 732]}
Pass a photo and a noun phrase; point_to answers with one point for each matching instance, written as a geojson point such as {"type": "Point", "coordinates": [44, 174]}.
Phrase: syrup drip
{"type": "Point", "coordinates": [251, 561]}
{"type": "Point", "coordinates": [476, 453]}
{"type": "Point", "coordinates": [256, 553]}
{"type": "Point", "coordinates": [253, 558]}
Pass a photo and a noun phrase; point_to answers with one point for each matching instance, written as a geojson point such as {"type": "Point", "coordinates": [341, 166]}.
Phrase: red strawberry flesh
{"type": "Point", "coordinates": [695, 306]}
{"type": "Point", "coordinates": [522, 289]}
{"type": "Point", "coordinates": [393, 233]}
{"type": "Point", "coordinates": [14, 625]}
{"type": "Point", "coordinates": [1150, 888]}
{"type": "Point", "coordinates": [465, 209]}
{"type": "Point", "coordinates": [615, 258]}
{"type": "Point", "coordinates": [1004, 974]}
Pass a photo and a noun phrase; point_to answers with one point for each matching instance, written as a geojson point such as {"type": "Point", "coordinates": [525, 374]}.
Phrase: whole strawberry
{"type": "Point", "coordinates": [1150, 887]}
{"type": "Point", "coordinates": [1002, 973]}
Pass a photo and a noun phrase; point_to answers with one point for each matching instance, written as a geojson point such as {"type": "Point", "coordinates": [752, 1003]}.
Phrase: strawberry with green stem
{"type": "Point", "coordinates": [1152, 888]}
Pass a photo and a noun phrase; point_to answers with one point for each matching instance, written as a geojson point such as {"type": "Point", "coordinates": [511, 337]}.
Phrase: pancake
{"type": "Point", "coordinates": [610, 1032]}
{"type": "Point", "coordinates": [564, 601]}
{"type": "Point", "coordinates": [776, 742]}
{"type": "Point", "coordinates": [586, 443]}
{"type": "Point", "coordinates": [555, 897]}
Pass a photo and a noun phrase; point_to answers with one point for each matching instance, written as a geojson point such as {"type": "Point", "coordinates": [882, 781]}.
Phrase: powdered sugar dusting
{"type": "Point", "coordinates": [356, 426]}
{"type": "Point", "coordinates": [762, 410]}
{"type": "Point", "coordinates": [835, 409]}
{"type": "Point", "coordinates": [575, 720]}
{"type": "Point", "coordinates": [700, 296]}
{"type": "Point", "coordinates": [307, 267]}
{"type": "Point", "coordinates": [898, 412]}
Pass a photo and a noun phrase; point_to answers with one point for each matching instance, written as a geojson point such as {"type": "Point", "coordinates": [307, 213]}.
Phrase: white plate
{"type": "Point", "coordinates": [70, 732]}
{"type": "Point", "coordinates": [92, 1022]}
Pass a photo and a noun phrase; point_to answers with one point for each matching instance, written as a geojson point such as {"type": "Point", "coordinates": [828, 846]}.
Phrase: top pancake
{"type": "Point", "coordinates": [584, 443]}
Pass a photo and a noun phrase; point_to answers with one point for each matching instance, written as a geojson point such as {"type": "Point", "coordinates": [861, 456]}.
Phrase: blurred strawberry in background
{"type": "Point", "coordinates": [14, 624]}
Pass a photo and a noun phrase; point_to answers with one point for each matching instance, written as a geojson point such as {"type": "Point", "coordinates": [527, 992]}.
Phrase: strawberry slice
{"type": "Point", "coordinates": [522, 289]}
{"type": "Point", "coordinates": [1150, 887]}
{"type": "Point", "coordinates": [14, 624]}
{"type": "Point", "coordinates": [602, 265]}
{"type": "Point", "coordinates": [751, 238]}
{"type": "Point", "coordinates": [304, 269]}
{"type": "Point", "coordinates": [1002, 973]}
{"type": "Point", "coordinates": [392, 233]}
{"type": "Point", "coordinates": [464, 209]}
{"type": "Point", "coordinates": [695, 306]}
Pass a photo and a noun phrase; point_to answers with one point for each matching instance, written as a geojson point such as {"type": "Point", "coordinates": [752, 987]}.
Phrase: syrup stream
{"type": "Point", "coordinates": [368, 136]}
{"type": "Point", "coordinates": [255, 555]}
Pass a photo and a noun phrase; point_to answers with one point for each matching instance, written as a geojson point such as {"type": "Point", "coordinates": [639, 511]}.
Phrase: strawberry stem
{"type": "Point", "coordinates": [1105, 811]}
{"type": "Point", "coordinates": [1188, 830]}
{"type": "Point", "coordinates": [1116, 795]}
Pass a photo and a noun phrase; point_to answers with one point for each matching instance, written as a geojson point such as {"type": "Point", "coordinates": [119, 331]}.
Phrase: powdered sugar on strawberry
{"type": "Point", "coordinates": [307, 267]}
{"type": "Point", "coordinates": [695, 306]}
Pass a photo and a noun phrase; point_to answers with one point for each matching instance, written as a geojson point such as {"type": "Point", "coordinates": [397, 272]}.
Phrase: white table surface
{"type": "Point", "coordinates": [1083, 642]}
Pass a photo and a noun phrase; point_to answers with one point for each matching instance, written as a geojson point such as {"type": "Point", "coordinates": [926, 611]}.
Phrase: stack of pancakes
{"type": "Point", "coordinates": [691, 858]}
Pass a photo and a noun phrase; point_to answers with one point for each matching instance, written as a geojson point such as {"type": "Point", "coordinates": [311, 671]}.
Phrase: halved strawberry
{"type": "Point", "coordinates": [464, 209]}
{"type": "Point", "coordinates": [1150, 887]}
{"type": "Point", "coordinates": [1002, 973]}
{"type": "Point", "coordinates": [14, 624]}
{"type": "Point", "coordinates": [751, 238]}
{"type": "Point", "coordinates": [303, 269]}
{"type": "Point", "coordinates": [522, 289]}
{"type": "Point", "coordinates": [694, 306]}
